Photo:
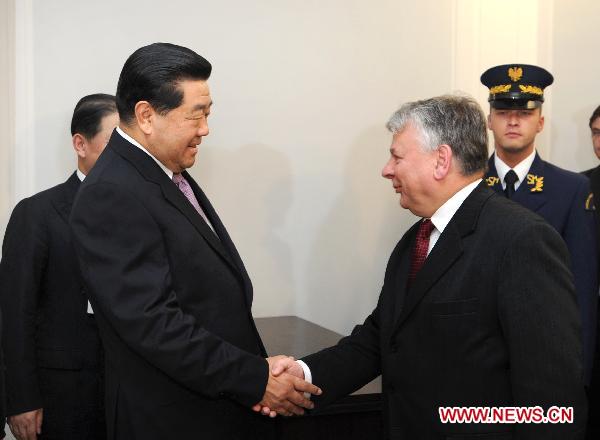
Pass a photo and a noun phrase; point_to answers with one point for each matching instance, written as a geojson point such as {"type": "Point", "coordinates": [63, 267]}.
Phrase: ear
{"type": "Point", "coordinates": [541, 124]}
{"type": "Point", "coordinates": [144, 115]}
{"type": "Point", "coordinates": [443, 160]}
{"type": "Point", "coordinates": [489, 120]}
{"type": "Point", "coordinates": [79, 145]}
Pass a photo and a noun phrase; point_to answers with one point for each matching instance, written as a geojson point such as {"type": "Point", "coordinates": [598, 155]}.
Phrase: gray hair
{"type": "Point", "coordinates": [454, 120]}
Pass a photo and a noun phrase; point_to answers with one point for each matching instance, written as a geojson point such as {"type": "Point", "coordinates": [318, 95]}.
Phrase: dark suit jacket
{"type": "Point", "coordinates": [594, 176]}
{"type": "Point", "coordinates": [52, 347]}
{"type": "Point", "coordinates": [563, 202]}
{"type": "Point", "coordinates": [173, 303]}
{"type": "Point", "coordinates": [2, 388]}
{"type": "Point", "coordinates": [588, 173]}
{"type": "Point", "coordinates": [490, 320]}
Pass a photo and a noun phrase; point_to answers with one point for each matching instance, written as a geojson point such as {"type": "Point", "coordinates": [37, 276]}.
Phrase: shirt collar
{"type": "Point", "coordinates": [137, 144]}
{"type": "Point", "coordinates": [521, 169]}
{"type": "Point", "coordinates": [444, 213]}
{"type": "Point", "coordinates": [80, 175]}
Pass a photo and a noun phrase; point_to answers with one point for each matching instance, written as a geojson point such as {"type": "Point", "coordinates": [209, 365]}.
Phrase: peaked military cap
{"type": "Point", "coordinates": [516, 86]}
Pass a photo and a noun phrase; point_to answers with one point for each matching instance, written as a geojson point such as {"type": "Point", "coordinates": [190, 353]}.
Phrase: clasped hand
{"type": "Point", "coordinates": [285, 390]}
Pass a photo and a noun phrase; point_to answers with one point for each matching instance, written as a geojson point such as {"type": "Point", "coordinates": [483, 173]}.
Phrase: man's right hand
{"type": "Point", "coordinates": [281, 367]}
{"type": "Point", "coordinates": [284, 364]}
{"type": "Point", "coordinates": [27, 425]}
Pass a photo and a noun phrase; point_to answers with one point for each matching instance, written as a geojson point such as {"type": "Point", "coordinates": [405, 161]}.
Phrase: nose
{"type": "Point", "coordinates": [388, 170]}
{"type": "Point", "coordinates": [513, 118]}
{"type": "Point", "coordinates": [203, 129]}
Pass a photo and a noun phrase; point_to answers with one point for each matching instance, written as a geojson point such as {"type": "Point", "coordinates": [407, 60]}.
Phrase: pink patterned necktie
{"type": "Point", "coordinates": [188, 192]}
{"type": "Point", "coordinates": [420, 250]}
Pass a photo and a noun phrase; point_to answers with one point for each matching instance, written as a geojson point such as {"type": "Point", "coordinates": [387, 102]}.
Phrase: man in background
{"type": "Point", "coordinates": [593, 431]}
{"type": "Point", "coordinates": [54, 362]}
{"type": "Point", "coordinates": [2, 387]}
{"type": "Point", "coordinates": [595, 131]}
{"type": "Point", "coordinates": [561, 197]}
{"type": "Point", "coordinates": [169, 290]}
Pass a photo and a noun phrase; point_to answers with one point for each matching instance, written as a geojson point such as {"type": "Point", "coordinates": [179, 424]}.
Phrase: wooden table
{"type": "Point", "coordinates": [357, 416]}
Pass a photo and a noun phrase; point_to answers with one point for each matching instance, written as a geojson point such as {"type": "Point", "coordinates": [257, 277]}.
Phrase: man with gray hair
{"type": "Point", "coordinates": [475, 310]}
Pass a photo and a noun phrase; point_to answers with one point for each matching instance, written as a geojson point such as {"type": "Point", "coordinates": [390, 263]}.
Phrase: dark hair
{"type": "Point", "coordinates": [595, 115]}
{"type": "Point", "coordinates": [88, 114]}
{"type": "Point", "coordinates": [152, 73]}
{"type": "Point", "coordinates": [455, 120]}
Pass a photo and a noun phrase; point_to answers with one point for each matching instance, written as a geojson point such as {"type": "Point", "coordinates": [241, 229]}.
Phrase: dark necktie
{"type": "Point", "coordinates": [419, 253]}
{"type": "Point", "coordinates": [510, 179]}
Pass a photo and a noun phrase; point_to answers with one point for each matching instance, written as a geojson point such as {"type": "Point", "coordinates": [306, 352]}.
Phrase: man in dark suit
{"type": "Point", "coordinates": [168, 287]}
{"type": "Point", "coordinates": [52, 347]}
{"type": "Point", "coordinates": [560, 196]}
{"type": "Point", "coordinates": [2, 387]}
{"type": "Point", "coordinates": [477, 307]}
{"type": "Point", "coordinates": [595, 129]}
{"type": "Point", "coordinates": [593, 431]}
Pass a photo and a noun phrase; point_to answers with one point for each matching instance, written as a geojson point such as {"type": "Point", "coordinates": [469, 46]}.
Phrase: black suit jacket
{"type": "Point", "coordinates": [2, 388]}
{"type": "Point", "coordinates": [561, 197]}
{"type": "Point", "coordinates": [173, 303]}
{"type": "Point", "coordinates": [490, 320]}
{"type": "Point", "coordinates": [48, 337]}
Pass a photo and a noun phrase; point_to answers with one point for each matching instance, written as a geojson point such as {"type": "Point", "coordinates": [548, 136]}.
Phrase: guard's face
{"type": "Point", "coordinates": [596, 136]}
{"type": "Point", "coordinates": [515, 130]}
{"type": "Point", "coordinates": [177, 134]}
{"type": "Point", "coordinates": [411, 170]}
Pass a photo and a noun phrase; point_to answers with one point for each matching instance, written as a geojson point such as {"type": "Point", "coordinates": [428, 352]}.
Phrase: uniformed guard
{"type": "Point", "coordinates": [560, 196]}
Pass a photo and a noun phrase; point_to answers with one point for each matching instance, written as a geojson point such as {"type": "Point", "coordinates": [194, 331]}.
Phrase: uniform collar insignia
{"type": "Point", "coordinates": [589, 203]}
{"type": "Point", "coordinates": [536, 183]}
{"type": "Point", "coordinates": [492, 180]}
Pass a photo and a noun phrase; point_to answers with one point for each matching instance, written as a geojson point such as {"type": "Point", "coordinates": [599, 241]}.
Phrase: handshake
{"type": "Point", "coordinates": [287, 391]}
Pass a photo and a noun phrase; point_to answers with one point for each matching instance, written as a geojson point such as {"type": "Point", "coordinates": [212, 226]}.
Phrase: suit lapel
{"type": "Point", "coordinates": [595, 187]}
{"type": "Point", "coordinates": [446, 251]}
{"type": "Point", "coordinates": [64, 202]}
{"type": "Point", "coordinates": [150, 170]}
{"type": "Point", "coordinates": [400, 280]}
{"type": "Point", "coordinates": [220, 230]}
{"type": "Point", "coordinates": [531, 192]}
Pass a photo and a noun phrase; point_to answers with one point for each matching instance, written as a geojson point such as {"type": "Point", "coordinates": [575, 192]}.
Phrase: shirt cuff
{"type": "Point", "coordinates": [307, 375]}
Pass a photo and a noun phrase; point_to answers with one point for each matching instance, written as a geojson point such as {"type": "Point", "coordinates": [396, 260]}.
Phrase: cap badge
{"type": "Point", "coordinates": [515, 73]}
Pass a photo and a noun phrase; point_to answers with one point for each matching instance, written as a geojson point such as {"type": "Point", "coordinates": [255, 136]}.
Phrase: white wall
{"type": "Point", "coordinates": [302, 90]}
{"type": "Point", "coordinates": [576, 90]}
{"type": "Point", "coordinates": [6, 108]}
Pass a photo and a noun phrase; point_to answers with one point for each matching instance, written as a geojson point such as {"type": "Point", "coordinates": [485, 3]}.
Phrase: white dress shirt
{"type": "Point", "coordinates": [167, 171]}
{"type": "Point", "coordinates": [521, 169]}
{"type": "Point", "coordinates": [131, 140]}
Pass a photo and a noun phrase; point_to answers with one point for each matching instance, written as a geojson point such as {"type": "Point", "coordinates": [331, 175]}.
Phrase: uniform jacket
{"type": "Point", "coordinates": [490, 320]}
{"type": "Point", "coordinates": [173, 304]}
